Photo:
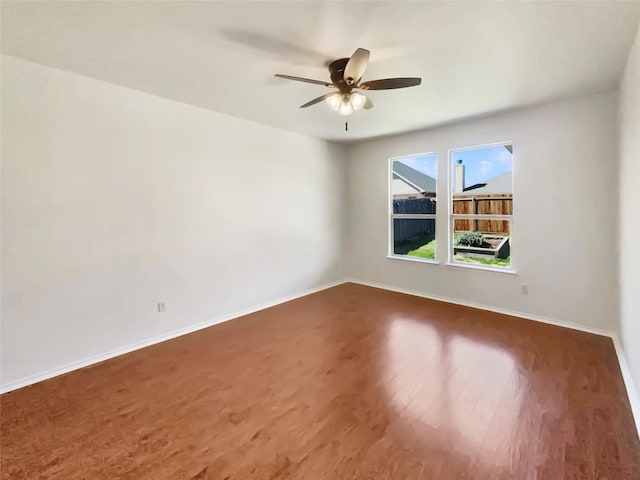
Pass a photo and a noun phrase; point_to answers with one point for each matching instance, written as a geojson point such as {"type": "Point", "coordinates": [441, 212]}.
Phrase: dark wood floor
{"type": "Point", "coordinates": [349, 383]}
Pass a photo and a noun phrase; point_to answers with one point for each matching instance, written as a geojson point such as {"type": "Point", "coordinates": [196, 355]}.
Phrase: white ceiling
{"type": "Point", "coordinates": [474, 58]}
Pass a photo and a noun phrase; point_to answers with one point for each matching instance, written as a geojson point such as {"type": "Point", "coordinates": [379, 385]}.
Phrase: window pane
{"type": "Point", "coordinates": [482, 242]}
{"type": "Point", "coordinates": [414, 237]}
{"type": "Point", "coordinates": [482, 181]}
{"type": "Point", "coordinates": [413, 184]}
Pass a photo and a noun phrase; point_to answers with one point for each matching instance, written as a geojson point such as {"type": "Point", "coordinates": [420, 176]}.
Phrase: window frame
{"type": "Point", "coordinates": [451, 216]}
{"type": "Point", "coordinates": [424, 216]}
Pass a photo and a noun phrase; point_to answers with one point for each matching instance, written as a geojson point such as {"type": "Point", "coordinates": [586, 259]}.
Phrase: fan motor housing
{"type": "Point", "coordinates": [336, 70]}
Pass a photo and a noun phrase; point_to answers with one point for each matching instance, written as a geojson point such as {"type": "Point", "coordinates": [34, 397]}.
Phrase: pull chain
{"type": "Point", "coordinates": [346, 126]}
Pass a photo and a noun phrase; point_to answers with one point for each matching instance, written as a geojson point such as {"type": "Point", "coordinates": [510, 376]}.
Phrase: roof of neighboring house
{"type": "Point", "coordinates": [400, 187]}
{"type": "Point", "coordinates": [419, 181]}
{"type": "Point", "coordinates": [500, 184]}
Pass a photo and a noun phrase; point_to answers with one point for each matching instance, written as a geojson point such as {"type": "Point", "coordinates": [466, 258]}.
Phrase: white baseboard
{"type": "Point", "coordinates": [54, 372]}
{"type": "Point", "coordinates": [632, 393]}
{"type": "Point", "coordinates": [504, 311]}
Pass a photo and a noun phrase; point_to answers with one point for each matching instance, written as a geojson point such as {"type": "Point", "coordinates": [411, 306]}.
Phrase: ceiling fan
{"type": "Point", "coordinates": [346, 75]}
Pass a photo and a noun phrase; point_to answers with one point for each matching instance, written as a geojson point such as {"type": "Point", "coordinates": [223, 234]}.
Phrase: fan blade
{"type": "Point", "coordinates": [316, 100]}
{"type": "Point", "coordinates": [306, 80]}
{"type": "Point", "coordinates": [368, 104]}
{"type": "Point", "coordinates": [390, 83]}
{"type": "Point", "coordinates": [356, 66]}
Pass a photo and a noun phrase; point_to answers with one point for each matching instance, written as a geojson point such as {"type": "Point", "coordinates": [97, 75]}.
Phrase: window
{"type": "Point", "coordinates": [481, 211]}
{"type": "Point", "coordinates": [412, 223]}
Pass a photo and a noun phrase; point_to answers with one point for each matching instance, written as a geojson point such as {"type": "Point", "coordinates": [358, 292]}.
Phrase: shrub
{"type": "Point", "coordinates": [471, 239]}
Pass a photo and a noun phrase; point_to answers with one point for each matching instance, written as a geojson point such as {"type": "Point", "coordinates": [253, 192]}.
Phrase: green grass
{"type": "Point", "coordinates": [425, 247]}
{"type": "Point", "coordinates": [422, 247]}
{"type": "Point", "coordinates": [427, 250]}
{"type": "Point", "coordinates": [498, 262]}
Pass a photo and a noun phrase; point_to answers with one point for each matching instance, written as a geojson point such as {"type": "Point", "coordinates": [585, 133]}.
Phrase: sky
{"type": "Point", "coordinates": [427, 164]}
{"type": "Point", "coordinates": [480, 163]}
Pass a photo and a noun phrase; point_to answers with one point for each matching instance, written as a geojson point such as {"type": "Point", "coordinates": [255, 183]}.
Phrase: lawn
{"type": "Point", "coordinates": [422, 247]}
{"type": "Point", "coordinates": [425, 247]}
{"type": "Point", "coordinates": [497, 262]}
{"type": "Point", "coordinates": [427, 250]}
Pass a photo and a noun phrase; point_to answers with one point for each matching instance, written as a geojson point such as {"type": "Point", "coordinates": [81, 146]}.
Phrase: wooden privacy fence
{"type": "Point", "coordinates": [414, 206]}
{"type": "Point", "coordinates": [405, 229]}
{"type": "Point", "coordinates": [409, 229]}
{"type": "Point", "coordinates": [500, 204]}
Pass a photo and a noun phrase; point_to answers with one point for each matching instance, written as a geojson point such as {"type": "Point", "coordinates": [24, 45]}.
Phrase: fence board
{"type": "Point", "coordinates": [405, 229]}
{"type": "Point", "coordinates": [491, 205]}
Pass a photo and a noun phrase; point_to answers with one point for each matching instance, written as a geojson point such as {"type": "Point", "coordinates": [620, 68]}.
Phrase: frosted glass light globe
{"type": "Point", "coordinates": [334, 101]}
{"type": "Point", "coordinates": [345, 108]}
{"type": "Point", "coordinates": [358, 100]}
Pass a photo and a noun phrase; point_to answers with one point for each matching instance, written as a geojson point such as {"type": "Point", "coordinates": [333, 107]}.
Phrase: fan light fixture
{"type": "Point", "coordinates": [346, 104]}
{"type": "Point", "coordinates": [346, 76]}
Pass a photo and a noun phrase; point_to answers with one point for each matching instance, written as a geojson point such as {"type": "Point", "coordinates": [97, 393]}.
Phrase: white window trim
{"type": "Point", "coordinates": [511, 270]}
{"type": "Point", "coordinates": [390, 253]}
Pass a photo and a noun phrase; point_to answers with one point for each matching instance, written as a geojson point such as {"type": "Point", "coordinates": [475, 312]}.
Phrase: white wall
{"type": "Point", "coordinates": [114, 200]}
{"type": "Point", "coordinates": [630, 211]}
{"type": "Point", "coordinates": [565, 206]}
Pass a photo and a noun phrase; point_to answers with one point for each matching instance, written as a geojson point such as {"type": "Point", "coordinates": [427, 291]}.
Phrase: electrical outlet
{"type": "Point", "coordinates": [524, 289]}
{"type": "Point", "coordinates": [161, 308]}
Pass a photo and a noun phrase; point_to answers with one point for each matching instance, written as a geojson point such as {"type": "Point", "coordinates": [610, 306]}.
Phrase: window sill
{"type": "Point", "coordinates": [508, 271]}
{"type": "Point", "coordinates": [412, 259]}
